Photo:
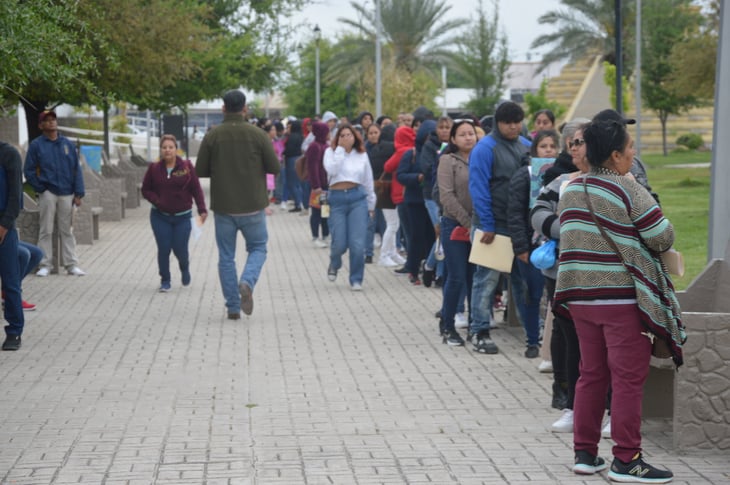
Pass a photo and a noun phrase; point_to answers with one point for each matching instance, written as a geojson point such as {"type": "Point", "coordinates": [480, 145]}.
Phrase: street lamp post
{"type": "Point", "coordinates": [317, 36]}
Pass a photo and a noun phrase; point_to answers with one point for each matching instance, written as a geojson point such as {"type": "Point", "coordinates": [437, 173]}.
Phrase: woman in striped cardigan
{"type": "Point", "coordinates": [619, 301]}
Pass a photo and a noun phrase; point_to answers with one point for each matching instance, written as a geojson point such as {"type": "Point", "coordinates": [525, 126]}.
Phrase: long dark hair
{"type": "Point", "coordinates": [452, 148]}
{"type": "Point", "coordinates": [358, 146]}
{"type": "Point", "coordinates": [602, 139]}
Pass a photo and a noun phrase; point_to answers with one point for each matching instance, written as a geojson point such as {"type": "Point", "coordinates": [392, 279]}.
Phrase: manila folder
{"type": "Point", "coordinates": [498, 255]}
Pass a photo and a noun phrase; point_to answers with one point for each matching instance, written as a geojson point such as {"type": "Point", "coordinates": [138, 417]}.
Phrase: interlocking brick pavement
{"type": "Point", "coordinates": [119, 384]}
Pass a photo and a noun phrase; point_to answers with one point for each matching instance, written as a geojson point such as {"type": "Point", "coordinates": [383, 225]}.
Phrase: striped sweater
{"type": "Point", "coordinates": [590, 269]}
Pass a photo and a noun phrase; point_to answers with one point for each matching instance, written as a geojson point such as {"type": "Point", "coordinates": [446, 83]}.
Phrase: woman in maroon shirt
{"type": "Point", "coordinates": [170, 185]}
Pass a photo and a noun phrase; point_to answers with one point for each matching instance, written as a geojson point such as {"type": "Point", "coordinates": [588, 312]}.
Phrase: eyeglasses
{"type": "Point", "coordinates": [576, 143]}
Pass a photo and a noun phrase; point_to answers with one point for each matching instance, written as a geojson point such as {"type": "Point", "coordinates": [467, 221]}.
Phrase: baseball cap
{"type": "Point", "coordinates": [45, 114]}
{"type": "Point", "coordinates": [328, 115]}
{"type": "Point", "coordinates": [613, 115]}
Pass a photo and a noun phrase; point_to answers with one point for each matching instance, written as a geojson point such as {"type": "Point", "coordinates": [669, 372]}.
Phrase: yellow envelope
{"type": "Point", "coordinates": [498, 255]}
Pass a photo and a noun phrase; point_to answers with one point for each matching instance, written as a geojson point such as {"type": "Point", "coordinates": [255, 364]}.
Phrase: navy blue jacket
{"type": "Point", "coordinates": [54, 165]}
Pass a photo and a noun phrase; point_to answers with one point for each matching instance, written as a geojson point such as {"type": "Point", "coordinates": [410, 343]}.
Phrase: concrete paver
{"type": "Point", "coordinates": [119, 384]}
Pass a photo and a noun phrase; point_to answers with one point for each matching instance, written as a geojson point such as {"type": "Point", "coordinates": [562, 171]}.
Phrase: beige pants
{"type": "Point", "coordinates": [52, 206]}
{"type": "Point", "coordinates": [546, 336]}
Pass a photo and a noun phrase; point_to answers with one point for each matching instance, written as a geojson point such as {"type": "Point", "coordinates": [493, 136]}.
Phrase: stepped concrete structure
{"type": "Point", "coordinates": [580, 87]}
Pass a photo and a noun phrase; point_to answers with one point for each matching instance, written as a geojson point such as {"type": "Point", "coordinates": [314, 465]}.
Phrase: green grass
{"type": "Point", "coordinates": [684, 194]}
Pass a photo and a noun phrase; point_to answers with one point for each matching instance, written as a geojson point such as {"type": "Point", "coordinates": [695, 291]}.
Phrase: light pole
{"type": "Point", "coordinates": [317, 36]}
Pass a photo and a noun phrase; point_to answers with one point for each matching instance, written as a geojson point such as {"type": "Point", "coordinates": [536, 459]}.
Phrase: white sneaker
{"type": "Point", "coordinates": [377, 241]}
{"type": "Point", "coordinates": [43, 272]}
{"type": "Point", "coordinates": [76, 271]}
{"type": "Point", "coordinates": [460, 321]}
{"type": "Point", "coordinates": [356, 287]}
{"type": "Point", "coordinates": [398, 259]}
{"type": "Point", "coordinates": [546, 366]}
{"type": "Point", "coordinates": [493, 323]}
{"type": "Point", "coordinates": [606, 431]}
{"type": "Point", "coordinates": [284, 206]}
{"type": "Point", "coordinates": [565, 423]}
{"type": "Point", "coordinates": [321, 243]}
{"type": "Point", "coordinates": [387, 262]}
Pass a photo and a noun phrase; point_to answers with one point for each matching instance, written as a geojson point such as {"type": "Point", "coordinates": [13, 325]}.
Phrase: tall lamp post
{"type": "Point", "coordinates": [317, 37]}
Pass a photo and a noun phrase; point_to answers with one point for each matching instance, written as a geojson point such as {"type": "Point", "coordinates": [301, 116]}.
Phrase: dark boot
{"type": "Point", "coordinates": [560, 395]}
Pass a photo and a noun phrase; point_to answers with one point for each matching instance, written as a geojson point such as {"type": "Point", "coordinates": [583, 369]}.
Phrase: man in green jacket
{"type": "Point", "coordinates": [237, 155]}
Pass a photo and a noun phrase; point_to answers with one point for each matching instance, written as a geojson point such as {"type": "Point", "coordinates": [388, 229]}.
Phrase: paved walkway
{"type": "Point", "coordinates": [119, 384]}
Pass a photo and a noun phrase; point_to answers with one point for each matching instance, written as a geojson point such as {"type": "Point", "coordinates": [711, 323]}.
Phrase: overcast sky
{"type": "Point", "coordinates": [517, 19]}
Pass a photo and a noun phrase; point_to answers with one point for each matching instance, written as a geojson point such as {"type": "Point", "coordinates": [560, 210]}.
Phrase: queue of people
{"type": "Point", "coordinates": [452, 185]}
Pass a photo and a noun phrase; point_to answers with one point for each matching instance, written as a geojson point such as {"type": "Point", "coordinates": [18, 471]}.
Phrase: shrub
{"type": "Point", "coordinates": [693, 141]}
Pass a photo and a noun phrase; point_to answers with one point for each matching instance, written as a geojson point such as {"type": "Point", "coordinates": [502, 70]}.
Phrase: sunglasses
{"type": "Point", "coordinates": [576, 143]}
{"type": "Point", "coordinates": [464, 120]}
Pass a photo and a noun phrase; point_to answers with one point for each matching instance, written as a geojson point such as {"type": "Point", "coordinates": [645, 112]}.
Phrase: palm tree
{"type": "Point", "coordinates": [585, 28]}
{"type": "Point", "coordinates": [413, 36]}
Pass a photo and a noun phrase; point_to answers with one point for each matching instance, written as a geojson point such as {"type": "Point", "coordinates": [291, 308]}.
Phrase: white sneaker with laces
{"type": "Point", "coordinates": [398, 259]}
{"type": "Point", "coordinates": [43, 272]}
{"type": "Point", "coordinates": [460, 321]}
{"type": "Point", "coordinates": [606, 430]}
{"type": "Point", "coordinates": [565, 423]}
{"type": "Point", "coordinates": [76, 271]}
{"type": "Point", "coordinates": [546, 366]}
{"type": "Point", "coordinates": [356, 287]}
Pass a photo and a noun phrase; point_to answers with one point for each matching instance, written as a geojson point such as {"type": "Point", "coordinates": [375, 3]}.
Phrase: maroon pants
{"type": "Point", "coordinates": [613, 350]}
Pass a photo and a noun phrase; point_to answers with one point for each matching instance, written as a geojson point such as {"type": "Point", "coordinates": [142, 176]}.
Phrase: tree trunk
{"type": "Point", "coordinates": [663, 119]}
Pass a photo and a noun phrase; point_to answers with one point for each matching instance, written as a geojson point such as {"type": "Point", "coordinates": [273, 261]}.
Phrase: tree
{"type": "Point", "coordinates": [299, 90]}
{"type": "Point", "coordinates": [536, 102]}
{"type": "Point", "coordinates": [665, 23]}
{"type": "Point", "coordinates": [149, 52]}
{"type": "Point", "coordinates": [586, 28]}
{"type": "Point", "coordinates": [694, 58]}
{"type": "Point", "coordinates": [482, 60]}
{"type": "Point", "coordinates": [414, 36]}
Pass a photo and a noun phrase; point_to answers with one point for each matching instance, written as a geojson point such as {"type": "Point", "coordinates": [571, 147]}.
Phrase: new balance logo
{"type": "Point", "coordinates": [639, 471]}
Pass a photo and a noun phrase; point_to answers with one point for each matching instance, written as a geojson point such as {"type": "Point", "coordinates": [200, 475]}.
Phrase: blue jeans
{"type": "Point", "coordinates": [10, 274]}
{"type": "Point", "coordinates": [172, 233]}
{"type": "Point", "coordinates": [316, 221]}
{"type": "Point", "coordinates": [527, 290]}
{"type": "Point", "coordinates": [484, 284]}
{"type": "Point", "coordinates": [348, 224]}
{"type": "Point", "coordinates": [459, 272]}
{"type": "Point", "coordinates": [29, 256]}
{"type": "Point", "coordinates": [293, 185]}
{"type": "Point", "coordinates": [253, 228]}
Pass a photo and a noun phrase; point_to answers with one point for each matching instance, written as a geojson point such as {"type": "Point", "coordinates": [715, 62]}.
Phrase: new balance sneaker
{"type": "Point", "coordinates": [564, 424]}
{"type": "Point", "coordinates": [637, 471]}
{"type": "Point", "coordinates": [484, 344]}
{"type": "Point", "coordinates": [460, 321]}
{"type": "Point", "coordinates": [453, 339]}
{"type": "Point", "coordinates": [587, 464]}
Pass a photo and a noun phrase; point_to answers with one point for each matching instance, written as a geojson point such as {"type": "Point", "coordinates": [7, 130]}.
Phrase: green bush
{"type": "Point", "coordinates": [693, 141]}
